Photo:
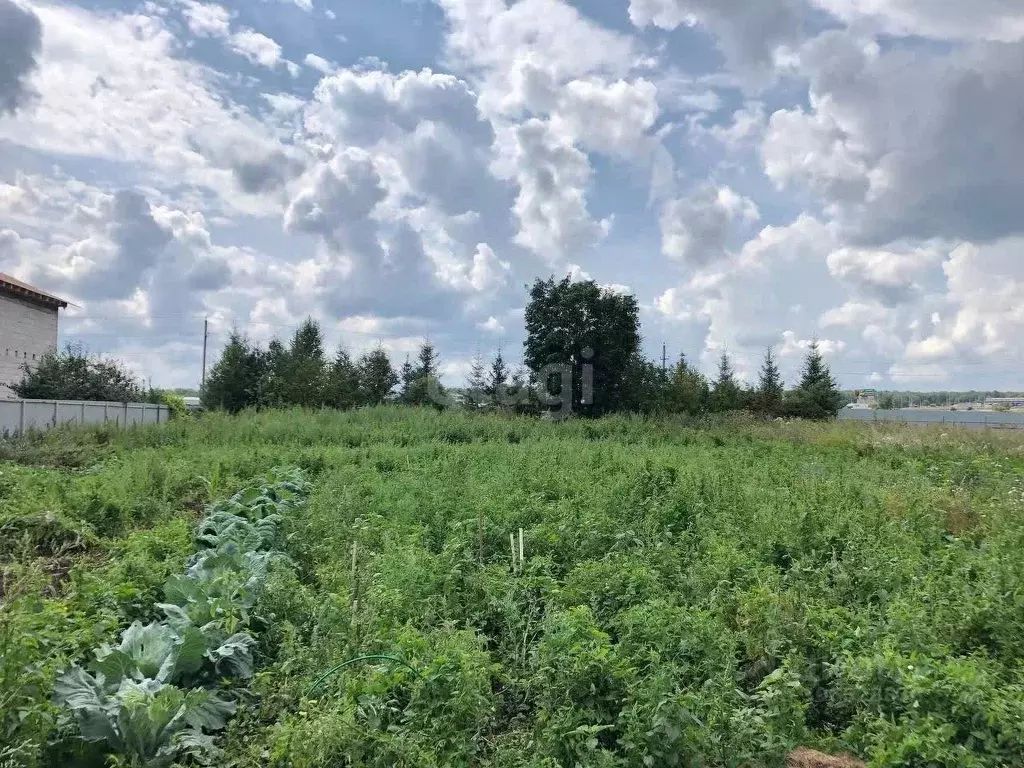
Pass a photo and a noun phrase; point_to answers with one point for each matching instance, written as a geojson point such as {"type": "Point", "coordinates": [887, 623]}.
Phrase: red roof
{"type": "Point", "coordinates": [26, 291]}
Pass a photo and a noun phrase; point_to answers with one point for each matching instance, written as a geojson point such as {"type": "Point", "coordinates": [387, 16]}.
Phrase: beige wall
{"type": "Point", "coordinates": [27, 330]}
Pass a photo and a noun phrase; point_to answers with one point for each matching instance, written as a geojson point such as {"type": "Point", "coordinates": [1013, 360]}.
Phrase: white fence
{"type": "Point", "coordinates": [17, 416]}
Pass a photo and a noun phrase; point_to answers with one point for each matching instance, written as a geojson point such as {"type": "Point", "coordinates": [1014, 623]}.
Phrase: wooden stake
{"type": "Point", "coordinates": [355, 573]}
{"type": "Point", "coordinates": [512, 545]}
{"type": "Point", "coordinates": [521, 549]}
{"type": "Point", "coordinates": [480, 536]}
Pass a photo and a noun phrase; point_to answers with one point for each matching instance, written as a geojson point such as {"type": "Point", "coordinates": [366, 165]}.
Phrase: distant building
{"type": "Point", "coordinates": [1006, 402]}
{"type": "Point", "coordinates": [868, 398]}
{"type": "Point", "coordinates": [28, 328]}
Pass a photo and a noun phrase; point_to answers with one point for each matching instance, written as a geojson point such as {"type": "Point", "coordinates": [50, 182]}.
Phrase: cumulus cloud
{"type": "Point", "coordinates": [207, 19]}
{"type": "Point", "coordinates": [696, 230]}
{"type": "Point", "coordinates": [890, 277]}
{"type": "Point", "coordinates": [997, 20]}
{"type": "Point", "coordinates": [397, 204]}
{"type": "Point", "coordinates": [985, 296]}
{"type": "Point", "coordinates": [426, 122]}
{"type": "Point", "coordinates": [555, 86]}
{"type": "Point", "coordinates": [400, 204]}
{"type": "Point", "coordinates": [904, 142]}
{"type": "Point", "coordinates": [552, 176]}
{"type": "Point", "coordinates": [744, 301]}
{"type": "Point", "coordinates": [337, 199]}
{"type": "Point", "coordinates": [748, 31]}
{"type": "Point", "coordinates": [113, 87]}
{"type": "Point", "coordinates": [491, 325]}
{"type": "Point", "coordinates": [854, 314]}
{"type": "Point", "coordinates": [318, 63]}
{"type": "Point", "coordinates": [792, 346]}
{"type": "Point", "coordinates": [256, 47]}
{"type": "Point", "coordinates": [20, 44]}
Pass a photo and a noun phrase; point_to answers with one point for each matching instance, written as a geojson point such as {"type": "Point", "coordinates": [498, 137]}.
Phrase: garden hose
{"type": "Point", "coordinates": [356, 660]}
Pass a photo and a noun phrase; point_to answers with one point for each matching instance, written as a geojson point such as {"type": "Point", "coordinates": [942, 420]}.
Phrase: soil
{"type": "Point", "coordinates": [808, 758]}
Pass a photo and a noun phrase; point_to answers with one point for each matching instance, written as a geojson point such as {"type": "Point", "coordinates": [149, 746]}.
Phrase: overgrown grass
{"type": "Point", "coordinates": [707, 594]}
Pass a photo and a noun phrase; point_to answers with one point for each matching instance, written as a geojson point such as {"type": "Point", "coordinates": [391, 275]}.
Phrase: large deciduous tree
{"type": "Point", "coordinates": [579, 324]}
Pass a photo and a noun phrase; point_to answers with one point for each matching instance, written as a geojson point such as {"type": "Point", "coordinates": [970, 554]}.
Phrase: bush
{"type": "Point", "coordinates": [72, 374]}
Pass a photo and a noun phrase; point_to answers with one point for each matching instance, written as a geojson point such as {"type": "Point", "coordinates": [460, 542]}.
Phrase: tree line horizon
{"type": "Point", "coordinates": [564, 321]}
{"type": "Point", "coordinates": [581, 355]}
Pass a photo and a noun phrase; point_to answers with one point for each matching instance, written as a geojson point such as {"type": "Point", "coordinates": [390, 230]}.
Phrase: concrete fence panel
{"type": "Point", "coordinates": [19, 416]}
{"type": "Point", "coordinates": [927, 416]}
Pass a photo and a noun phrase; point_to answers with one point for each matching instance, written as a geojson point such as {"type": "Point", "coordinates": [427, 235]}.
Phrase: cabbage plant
{"type": "Point", "coordinates": [142, 698]}
{"type": "Point", "coordinates": [148, 722]}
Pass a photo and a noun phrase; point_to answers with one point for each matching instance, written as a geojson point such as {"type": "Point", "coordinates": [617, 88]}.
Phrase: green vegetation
{"type": "Point", "coordinates": [503, 591]}
{"type": "Point", "coordinates": [72, 374]}
{"type": "Point", "coordinates": [582, 355]}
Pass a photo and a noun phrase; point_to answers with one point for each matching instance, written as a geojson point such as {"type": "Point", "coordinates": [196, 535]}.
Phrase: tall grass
{"type": "Point", "coordinates": [710, 593]}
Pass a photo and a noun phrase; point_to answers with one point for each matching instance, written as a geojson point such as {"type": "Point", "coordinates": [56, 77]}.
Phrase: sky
{"type": "Point", "coordinates": [757, 172]}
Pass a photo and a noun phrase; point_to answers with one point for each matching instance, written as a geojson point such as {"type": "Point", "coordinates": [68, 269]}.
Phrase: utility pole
{"type": "Point", "coordinates": [664, 358]}
{"type": "Point", "coordinates": [206, 337]}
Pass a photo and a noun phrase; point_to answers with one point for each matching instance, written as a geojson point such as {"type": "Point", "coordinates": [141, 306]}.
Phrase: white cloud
{"type": "Point", "coordinates": [696, 230]}
{"type": "Point", "coordinates": [114, 88]}
{"type": "Point", "coordinates": [555, 86]}
{"type": "Point", "coordinates": [397, 204]}
{"type": "Point", "coordinates": [491, 325]}
{"type": "Point", "coordinates": [318, 63]}
{"type": "Point", "coordinates": [998, 20]}
{"type": "Point", "coordinates": [891, 141]}
{"type": "Point", "coordinates": [792, 346]}
{"type": "Point", "coordinates": [207, 19]}
{"type": "Point", "coordinates": [891, 277]}
{"type": "Point", "coordinates": [552, 176]}
{"type": "Point", "coordinates": [854, 314]}
{"type": "Point", "coordinates": [256, 47]}
{"type": "Point", "coordinates": [748, 31]}
{"type": "Point", "coordinates": [985, 291]}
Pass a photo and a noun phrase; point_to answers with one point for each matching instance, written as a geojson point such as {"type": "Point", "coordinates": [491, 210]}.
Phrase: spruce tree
{"type": "Point", "coordinates": [725, 393]}
{"type": "Point", "coordinates": [234, 382]}
{"type": "Point", "coordinates": [497, 379]}
{"type": "Point", "coordinates": [476, 382]}
{"type": "Point", "coordinates": [306, 372]}
{"type": "Point", "coordinates": [519, 397]}
{"type": "Point", "coordinates": [818, 396]}
{"type": "Point", "coordinates": [342, 383]}
{"type": "Point", "coordinates": [407, 382]}
{"type": "Point", "coordinates": [687, 389]}
{"type": "Point", "coordinates": [377, 379]}
{"type": "Point", "coordinates": [274, 384]}
{"type": "Point", "coordinates": [770, 387]}
{"type": "Point", "coordinates": [424, 386]}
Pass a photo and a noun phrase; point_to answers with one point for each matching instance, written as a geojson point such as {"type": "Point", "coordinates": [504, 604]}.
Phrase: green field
{"type": "Point", "coordinates": [691, 596]}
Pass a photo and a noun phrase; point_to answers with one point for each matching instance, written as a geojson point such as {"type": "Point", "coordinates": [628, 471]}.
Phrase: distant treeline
{"type": "Point", "coordinates": [582, 354]}
{"type": "Point", "coordinates": [892, 399]}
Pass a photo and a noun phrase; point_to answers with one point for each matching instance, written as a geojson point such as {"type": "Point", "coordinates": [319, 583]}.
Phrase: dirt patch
{"type": "Point", "coordinates": [58, 570]}
{"type": "Point", "coordinates": [808, 758]}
